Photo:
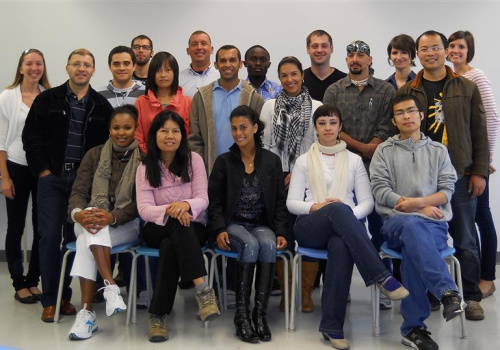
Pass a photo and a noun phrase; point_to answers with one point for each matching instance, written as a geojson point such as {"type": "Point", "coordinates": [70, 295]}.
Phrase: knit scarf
{"type": "Point", "coordinates": [316, 174]}
{"type": "Point", "coordinates": [100, 185]}
{"type": "Point", "coordinates": [291, 121]}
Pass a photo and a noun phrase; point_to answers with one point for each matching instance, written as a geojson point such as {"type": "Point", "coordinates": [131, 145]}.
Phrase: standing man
{"type": "Point", "coordinates": [321, 75]}
{"type": "Point", "coordinates": [258, 61]}
{"type": "Point", "coordinates": [209, 119]}
{"type": "Point", "coordinates": [63, 123]}
{"type": "Point", "coordinates": [454, 116]}
{"type": "Point", "coordinates": [200, 72]}
{"type": "Point", "coordinates": [143, 49]}
{"type": "Point", "coordinates": [364, 102]}
{"type": "Point", "coordinates": [122, 89]}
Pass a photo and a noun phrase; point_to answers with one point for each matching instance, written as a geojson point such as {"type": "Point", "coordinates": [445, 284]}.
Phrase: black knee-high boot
{"type": "Point", "coordinates": [242, 322]}
{"type": "Point", "coordinates": [263, 285]}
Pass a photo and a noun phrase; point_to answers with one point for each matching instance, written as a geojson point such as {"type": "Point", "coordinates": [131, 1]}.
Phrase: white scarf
{"type": "Point", "coordinates": [316, 176]}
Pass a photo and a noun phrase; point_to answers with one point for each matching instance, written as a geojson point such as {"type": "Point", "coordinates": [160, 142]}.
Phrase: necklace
{"type": "Point", "coordinates": [363, 82]}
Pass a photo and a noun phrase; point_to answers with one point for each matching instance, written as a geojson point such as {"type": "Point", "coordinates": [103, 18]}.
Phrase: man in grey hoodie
{"type": "Point", "coordinates": [412, 179]}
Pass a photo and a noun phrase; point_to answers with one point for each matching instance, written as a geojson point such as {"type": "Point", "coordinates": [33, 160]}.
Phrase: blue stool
{"type": "Point", "coordinates": [71, 248]}
{"type": "Point", "coordinates": [455, 271]}
{"type": "Point", "coordinates": [148, 252]}
{"type": "Point", "coordinates": [285, 255]}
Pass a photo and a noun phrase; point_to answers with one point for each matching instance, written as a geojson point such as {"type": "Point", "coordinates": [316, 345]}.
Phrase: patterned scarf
{"type": "Point", "coordinates": [100, 184]}
{"type": "Point", "coordinates": [291, 121]}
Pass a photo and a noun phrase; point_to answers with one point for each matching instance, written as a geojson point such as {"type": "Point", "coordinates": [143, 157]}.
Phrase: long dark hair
{"type": "Point", "coordinates": [155, 65]}
{"type": "Point", "coordinates": [253, 117]}
{"type": "Point", "coordinates": [181, 163]}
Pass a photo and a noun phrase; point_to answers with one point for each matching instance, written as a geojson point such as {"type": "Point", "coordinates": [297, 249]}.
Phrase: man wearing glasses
{"type": "Point", "coordinates": [454, 116]}
{"type": "Point", "coordinates": [63, 123]}
{"type": "Point", "coordinates": [201, 71]}
{"type": "Point", "coordinates": [142, 46]}
{"type": "Point", "coordinates": [412, 179]}
{"type": "Point", "coordinates": [364, 102]}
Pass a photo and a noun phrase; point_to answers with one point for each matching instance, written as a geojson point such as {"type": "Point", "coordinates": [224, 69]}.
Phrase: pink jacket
{"type": "Point", "coordinates": [153, 203]}
{"type": "Point", "coordinates": [149, 106]}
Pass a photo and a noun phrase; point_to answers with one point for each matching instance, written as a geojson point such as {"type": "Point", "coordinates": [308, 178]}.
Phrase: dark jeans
{"type": "Point", "coordinates": [55, 233]}
{"type": "Point", "coordinates": [335, 228]}
{"type": "Point", "coordinates": [24, 184]}
{"type": "Point", "coordinates": [180, 255]}
{"type": "Point", "coordinates": [488, 235]}
{"type": "Point", "coordinates": [463, 231]}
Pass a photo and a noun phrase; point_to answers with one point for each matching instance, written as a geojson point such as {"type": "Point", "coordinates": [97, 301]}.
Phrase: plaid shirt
{"type": "Point", "coordinates": [365, 114]}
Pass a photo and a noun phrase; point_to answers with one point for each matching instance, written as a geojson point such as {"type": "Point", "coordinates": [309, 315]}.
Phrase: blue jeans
{"type": "Point", "coordinates": [420, 242]}
{"type": "Point", "coordinates": [463, 231]}
{"type": "Point", "coordinates": [335, 228]}
{"type": "Point", "coordinates": [252, 242]}
{"type": "Point", "coordinates": [488, 234]}
{"type": "Point", "coordinates": [55, 232]}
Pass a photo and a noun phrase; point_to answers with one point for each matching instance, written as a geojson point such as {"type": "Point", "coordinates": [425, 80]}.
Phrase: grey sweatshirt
{"type": "Point", "coordinates": [411, 169]}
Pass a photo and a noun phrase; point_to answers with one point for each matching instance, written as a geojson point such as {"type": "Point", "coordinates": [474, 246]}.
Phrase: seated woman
{"type": "Point", "coordinates": [321, 193]}
{"type": "Point", "coordinates": [104, 185]}
{"type": "Point", "coordinates": [248, 215]}
{"type": "Point", "coordinates": [172, 198]}
{"type": "Point", "coordinates": [162, 93]}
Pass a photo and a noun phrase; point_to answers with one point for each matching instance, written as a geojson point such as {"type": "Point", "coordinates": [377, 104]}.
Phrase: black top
{"type": "Point", "coordinates": [434, 92]}
{"type": "Point", "coordinates": [250, 206]}
{"type": "Point", "coordinates": [45, 133]}
{"type": "Point", "coordinates": [225, 183]}
{"type": "Point", "coordinates": [318, 87]}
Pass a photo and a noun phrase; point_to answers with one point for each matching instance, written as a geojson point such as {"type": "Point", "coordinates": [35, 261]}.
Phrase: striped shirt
{"type": "Point", "coordinates": [490, 107]}
{"type": "Point", "coordinates": [76, 127]}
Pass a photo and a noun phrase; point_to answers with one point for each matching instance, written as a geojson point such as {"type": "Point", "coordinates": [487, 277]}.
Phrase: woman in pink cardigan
{"type": "Point", "coordinates": [172, 198]}
{"type": "Point", "coordinates": [162, 93]}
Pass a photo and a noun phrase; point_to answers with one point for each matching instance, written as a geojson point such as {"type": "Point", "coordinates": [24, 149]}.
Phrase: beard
{"type": "Point", "coordinates": [355, 70]}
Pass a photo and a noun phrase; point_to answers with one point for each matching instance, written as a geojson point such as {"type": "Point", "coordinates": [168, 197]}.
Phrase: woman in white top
{"type": "Point", "coordinates": [289, 133]}
{"type": "Point", "coordinates": [461, 53]}
{"type": "Point", "coordinates": [322, 189]}
{"type": "Point", "coordinates": [17, 180]}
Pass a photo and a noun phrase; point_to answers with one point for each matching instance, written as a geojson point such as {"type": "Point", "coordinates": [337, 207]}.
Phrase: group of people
{"type": "Point", "coordinates": [254, 167]}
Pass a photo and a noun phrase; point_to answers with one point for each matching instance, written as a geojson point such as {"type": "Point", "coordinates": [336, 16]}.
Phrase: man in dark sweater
{"type": "Point", "coordinates": [63, 123]}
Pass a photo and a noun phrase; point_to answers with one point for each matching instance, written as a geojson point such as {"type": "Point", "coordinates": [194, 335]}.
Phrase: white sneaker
{"type": "Point", "coordinates": [384, 302]}
{"type": "Point", "coordinates": [85, 324]}
{"type": "Point", "coordinates": [114, 301]}
{"type": "Point", "coordinates": [143, 300]}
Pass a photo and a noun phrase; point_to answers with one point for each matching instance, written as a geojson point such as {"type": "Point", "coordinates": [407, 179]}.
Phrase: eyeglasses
{"type": "Point", "coordinates": [144, 47]}
{"type": "Point", "coordinates": [430, 49]}
{"type": "Point", "coordinates": [78, 65]}
{"type": "Point", "coordinates": [410, 111]}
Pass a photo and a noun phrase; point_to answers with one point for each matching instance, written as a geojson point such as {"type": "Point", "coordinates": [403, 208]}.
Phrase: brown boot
{"type": "Point", "coordinates": [309, 271]}
{"type": "Point", "coordinates": [280, 271]}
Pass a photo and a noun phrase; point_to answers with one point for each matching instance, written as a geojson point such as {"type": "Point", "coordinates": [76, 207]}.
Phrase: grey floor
{"type": "Point", "coordinates": [21, 327]}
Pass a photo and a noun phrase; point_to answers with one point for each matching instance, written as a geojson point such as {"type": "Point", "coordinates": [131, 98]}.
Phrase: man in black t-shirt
{"type": "Point", "coordinates": [454, 116]}
{"type": "Point", "coordinates": [321, 75]}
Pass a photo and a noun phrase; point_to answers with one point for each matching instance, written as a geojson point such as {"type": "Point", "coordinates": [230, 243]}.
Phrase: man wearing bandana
{"type": "Point", "coordinates": [455, 117]}
{"type": "Point", "coordinates": [364, 102]}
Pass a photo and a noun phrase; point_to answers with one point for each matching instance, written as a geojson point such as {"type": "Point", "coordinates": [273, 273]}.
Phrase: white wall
{"type": "Point", "coordinates": [281, 27]}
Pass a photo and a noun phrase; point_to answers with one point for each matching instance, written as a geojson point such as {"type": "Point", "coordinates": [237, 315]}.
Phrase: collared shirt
{"type": "Point", "coordinates": [392, 79]}
{"type": "Point", "coordinates": [224, 102]}
{"type": "Point", "coordinates": [268, 89]}
{"type": "Point", "coordinates": [365, 114]}
{"type": "Point", "coordinates": [76, 126]}
{"type": "Point", "coordinates": [190, 80]}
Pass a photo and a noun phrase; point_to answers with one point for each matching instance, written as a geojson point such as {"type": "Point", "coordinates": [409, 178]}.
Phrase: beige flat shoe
{"type": "Point", "coordinates": [490, 291]}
